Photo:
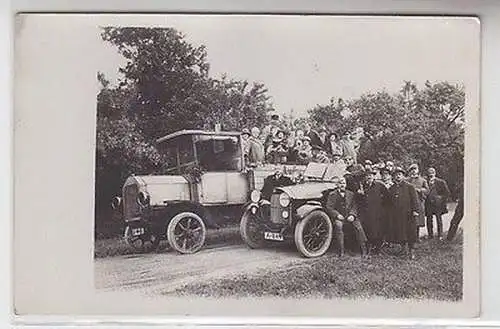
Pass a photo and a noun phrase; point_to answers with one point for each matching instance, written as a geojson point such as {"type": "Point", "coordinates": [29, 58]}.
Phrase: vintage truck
{"type": "Point", "coordinates": [205, 184]}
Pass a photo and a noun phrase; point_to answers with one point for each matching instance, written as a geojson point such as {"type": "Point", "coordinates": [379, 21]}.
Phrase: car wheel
{"type": "Point", "coordinates": [186, 233]}
{"type": "Point", "coordinates": [144, 243]}
{"type": "Point", "coordinates": [250, 231]}
{"type": "Point", "coordinates": [313, 234]}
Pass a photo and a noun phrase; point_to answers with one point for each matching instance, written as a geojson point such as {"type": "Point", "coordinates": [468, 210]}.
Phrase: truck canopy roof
{"type": "Point", "coordinates": [196, 132]}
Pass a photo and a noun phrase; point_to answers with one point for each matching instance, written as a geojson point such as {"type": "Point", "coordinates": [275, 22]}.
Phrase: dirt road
{"type": "Point", "coordinates": [165, 272]}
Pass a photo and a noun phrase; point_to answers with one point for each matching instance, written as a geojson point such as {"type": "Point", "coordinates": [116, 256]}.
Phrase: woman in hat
{"type": "Point", "coordinates": [305, 151]}
{"type": "Point", "coordinates": [333, 145]}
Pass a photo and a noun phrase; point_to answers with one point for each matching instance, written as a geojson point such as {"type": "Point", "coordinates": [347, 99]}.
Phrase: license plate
{"type": "Point", "coordinates": [137, 231]}
{"type": "Point", "coordinates": [273, 236]}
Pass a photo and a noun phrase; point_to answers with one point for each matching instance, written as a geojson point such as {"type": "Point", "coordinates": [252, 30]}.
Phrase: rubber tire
{"type": "Point", "coordinates": [142, 249]}
{"type": "Point", "coordinates": [252, 243]}
{"type": "Point", "coordinates": [299, 230]}
{"type": "Point", "coordinates": [171, 230]}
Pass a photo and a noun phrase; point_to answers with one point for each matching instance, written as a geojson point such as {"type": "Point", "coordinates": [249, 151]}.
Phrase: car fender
{"type": "Point", "coordinates": [306, 209]}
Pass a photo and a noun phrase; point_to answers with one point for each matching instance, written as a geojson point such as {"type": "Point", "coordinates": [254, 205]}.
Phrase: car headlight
{"type": "Point", "coordinates": [255, 196]}
{"type": "Point", "coordinates": [143, 199]}
{"type": "Point", "coordinates": [284, 200]}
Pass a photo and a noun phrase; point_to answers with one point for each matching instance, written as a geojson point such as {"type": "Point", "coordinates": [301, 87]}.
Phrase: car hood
{"type": "Point", "coordinates": [309, 190]}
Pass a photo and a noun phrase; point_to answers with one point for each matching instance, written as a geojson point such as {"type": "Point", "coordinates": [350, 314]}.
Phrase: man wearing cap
{"type": "Point", "coordinates": [404, 208]}
{"type": "Point", "coordinates": [422, 189]}
{"type": "Point", "coordinates": [374, 197]}
{"type": "Point", "coordinates": [278, 179]}
{"type": "Point", "coordinates": [389, 165]}
{"type": "Point", "coordinates": [342, 209]}
{"type": "Point", "coordinates": [256, 152]}
{"type": "Point", "coordinates": [435, 203]}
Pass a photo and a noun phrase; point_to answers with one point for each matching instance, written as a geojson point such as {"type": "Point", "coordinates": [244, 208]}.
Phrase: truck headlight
{"type": "Point", "coordinates": [284, 200]}
{"type": "Point", "coordinates": [255, 196]}
{"type": "Point", "coordinates": [116, 202]}
{"type": "Point", "coordinates": [143, 199]}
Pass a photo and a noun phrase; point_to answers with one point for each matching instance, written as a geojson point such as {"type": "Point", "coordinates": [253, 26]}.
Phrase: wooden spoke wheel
{"type": "Point", "coordinates": [186, 233]}
{"type": "Point", "coordinates": [313, 234]}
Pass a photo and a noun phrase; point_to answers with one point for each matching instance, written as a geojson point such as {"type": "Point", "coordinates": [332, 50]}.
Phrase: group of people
{"type": "Point", "coordinates": [301, 146]}
{"type": "Point", "coordinates": [385, 204]}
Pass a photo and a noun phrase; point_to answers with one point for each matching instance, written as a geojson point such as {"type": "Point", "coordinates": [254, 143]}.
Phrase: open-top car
{"type": "Point", "coordinates": [293, 212]}
{"type": "Point", "coordinates": [204, 184]}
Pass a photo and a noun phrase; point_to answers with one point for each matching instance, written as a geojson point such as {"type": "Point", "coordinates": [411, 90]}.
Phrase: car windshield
{"type": "Point", "coordinates": [315, 170]}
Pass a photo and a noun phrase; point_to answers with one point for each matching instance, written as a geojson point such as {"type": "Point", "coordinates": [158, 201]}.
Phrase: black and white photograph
{"type": "Point", "coordinates": [282, 156]}
{"type": "Point", "coordinates": [286, 159]}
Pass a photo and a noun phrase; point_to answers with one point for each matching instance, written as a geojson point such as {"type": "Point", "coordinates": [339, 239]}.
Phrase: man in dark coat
{"type": "Point", "coordinates": [278, 179]}
{"type": "Point", "coordinates": [374, 198]}
{"type": "Point", "coordinates": [342, 209]}
{"type": "Point", "coordinates": [435, 204]}
{"type": "Point", "coordinates": [404, 212]}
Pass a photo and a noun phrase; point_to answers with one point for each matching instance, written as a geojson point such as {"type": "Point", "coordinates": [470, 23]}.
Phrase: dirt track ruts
{"type": "Point", "coordinates": [167, 271]}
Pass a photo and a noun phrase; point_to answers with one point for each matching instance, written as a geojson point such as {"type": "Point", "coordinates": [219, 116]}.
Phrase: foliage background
{"type": "Point", "coordinates": [165, 86]}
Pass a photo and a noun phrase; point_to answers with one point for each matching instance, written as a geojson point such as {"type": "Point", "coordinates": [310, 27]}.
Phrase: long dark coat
{"type": "Point", "coordinates": [422, 189]}
{"type": "Point", "coordinates": [435, 204]}
{"type": "Point", "coordinates": [373, 208]}
{"type": "Point", "coordinates": [403, 202]}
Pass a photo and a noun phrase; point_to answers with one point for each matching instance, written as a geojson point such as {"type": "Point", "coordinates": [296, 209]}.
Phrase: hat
{"type": "Point", "coordinates": [398, 169]}
{"type": "Point", "coordinates": [245, 131]}
{"type": "Point", "coordinates": [384, 170]}
{"type": "Point", "coordinates": [413, 166]}
{"type": "Point", "coordinates": [333, 134]}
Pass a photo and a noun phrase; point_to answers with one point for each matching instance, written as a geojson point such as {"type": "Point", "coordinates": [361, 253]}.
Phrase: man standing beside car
{"type": "Point", "coordinates": [435, 204]}
{"type": "Point", "coordinates": [342, 209]}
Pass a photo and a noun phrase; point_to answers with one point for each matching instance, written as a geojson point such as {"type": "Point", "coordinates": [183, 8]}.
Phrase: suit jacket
{"type": "Point", "coordinates": [270, 182]}
{"type": "Point", "coordinates": [437, 197]}
{"type": "Point", "coordinates": [337, 205]}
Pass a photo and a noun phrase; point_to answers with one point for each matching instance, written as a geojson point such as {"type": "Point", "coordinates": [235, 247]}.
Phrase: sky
{"type": "Point", "coordinates": [306, 60]}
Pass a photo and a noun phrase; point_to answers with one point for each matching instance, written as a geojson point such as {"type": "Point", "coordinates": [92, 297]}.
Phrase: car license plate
{"type": "Point", "coordinates": [273, 236]}
{"type": "Point", "coordinates": [137, 231]}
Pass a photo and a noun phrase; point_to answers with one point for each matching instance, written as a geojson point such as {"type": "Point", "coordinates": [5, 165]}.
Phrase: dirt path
{"type": "Point", "coordinates": [165, 272]}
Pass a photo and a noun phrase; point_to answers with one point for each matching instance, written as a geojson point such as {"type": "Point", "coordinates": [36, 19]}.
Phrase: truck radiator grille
{"type": "Point", "coordinates": [130, 206]}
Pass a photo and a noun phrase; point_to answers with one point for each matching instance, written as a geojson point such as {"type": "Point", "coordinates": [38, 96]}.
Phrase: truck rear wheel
{"type": "Point", "coordinates": [186, 233]}
{"type": "Point", "coordinates": [313, 234]}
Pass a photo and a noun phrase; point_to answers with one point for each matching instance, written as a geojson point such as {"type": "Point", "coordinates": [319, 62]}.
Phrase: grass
{"type": "Point", "coordinates": [117, 246]}
{"type": "Point", "coordinates": [435, 274]}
